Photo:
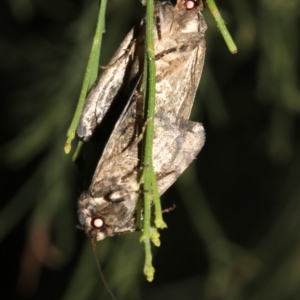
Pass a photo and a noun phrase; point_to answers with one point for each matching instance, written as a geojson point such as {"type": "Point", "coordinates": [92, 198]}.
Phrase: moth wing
{"type": "Point", "coordinates": [180, 59]}
{"type": "Point", "coordinates": [107, 86]}
{"type": "Point", "coordinates": [192, 78]}
{"type": "Point", "coordinates": [176, 144]}
{"type": "Point", "coordinates": [114, 147]}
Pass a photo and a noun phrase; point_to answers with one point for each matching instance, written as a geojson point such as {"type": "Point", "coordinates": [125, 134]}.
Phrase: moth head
{"type": "Point", "coordinates": [97, 223]}
{"type": "Point", "coordinates": [96, 228]}
{"type": "Point", "coordinates": [189, 18]}
{"type": "Point", "coordinates": [190, 4]}
{"type": "Point", "coordinates": [100, 218]}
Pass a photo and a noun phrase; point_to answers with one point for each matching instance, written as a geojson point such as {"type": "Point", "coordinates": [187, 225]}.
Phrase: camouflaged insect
{"type": "Point", "coordinates": [109, 205]}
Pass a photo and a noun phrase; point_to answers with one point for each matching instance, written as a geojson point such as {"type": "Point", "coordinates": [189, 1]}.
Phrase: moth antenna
{"type": "Point", "coordinates": [100, 270]}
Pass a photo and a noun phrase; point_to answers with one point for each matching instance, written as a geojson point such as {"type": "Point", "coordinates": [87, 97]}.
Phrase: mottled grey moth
{"type": "Point", "coordinates": [108, 206]}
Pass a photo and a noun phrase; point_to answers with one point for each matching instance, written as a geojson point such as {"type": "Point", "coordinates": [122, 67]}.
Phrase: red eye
{"type": "Point", "coordinates": [97, 222]}
{"type": "Point", "coordinates": [189, 4]}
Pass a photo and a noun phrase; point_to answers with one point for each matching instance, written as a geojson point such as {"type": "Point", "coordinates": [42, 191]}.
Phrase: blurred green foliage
{"type": "Point", "coordinates": [234, 234]}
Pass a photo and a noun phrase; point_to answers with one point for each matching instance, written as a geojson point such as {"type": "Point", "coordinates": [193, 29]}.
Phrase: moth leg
{"type": "Point", "coordinates": [157, 22]}
{"type": "Point", "coordinates": [165, 52]}
{"type": "Point", "coordinates": [189, 41]}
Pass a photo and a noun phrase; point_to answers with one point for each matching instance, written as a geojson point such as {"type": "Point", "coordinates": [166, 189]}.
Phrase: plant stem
{"type": "Point", "coordinates": [90, 76]}
{"type": "Point", "coordinates": [221, 24]}
{"type": "Point", "coordinates": [149, 181]}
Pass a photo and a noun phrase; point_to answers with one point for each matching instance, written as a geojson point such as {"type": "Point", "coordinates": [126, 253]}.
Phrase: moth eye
{"type": "Point", "coordinates": [189, 4]}
{"type": "Point", "coordinates": [97, 222]}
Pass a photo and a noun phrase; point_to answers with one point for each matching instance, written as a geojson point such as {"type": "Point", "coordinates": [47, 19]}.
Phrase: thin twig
{"type": "Point", "coordinates": [221, 24]}
{"type": "Point", "coordinates": [90, 76]}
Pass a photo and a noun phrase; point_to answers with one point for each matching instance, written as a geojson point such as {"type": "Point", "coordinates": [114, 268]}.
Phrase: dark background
{"type": "Point", "coordinates": [235, 233]}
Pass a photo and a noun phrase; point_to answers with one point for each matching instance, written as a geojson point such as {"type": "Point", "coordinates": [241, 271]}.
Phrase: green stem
{"type": "Point", "coordinates": [151, 193]}
{"type": "Point", "coordinates": [90, 76]}
{"type": "Point", "coordinates": [159, 222]}
{"type": "Point", "coordinates": [148, 268]}
{"type": "Point", "coordinates": [221, 24]}
{"type": "Point", "coordinates": [149, 96]}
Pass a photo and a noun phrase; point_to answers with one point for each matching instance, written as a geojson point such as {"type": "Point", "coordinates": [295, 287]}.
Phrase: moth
{"type": "Point", "coordinates": [109, 205]}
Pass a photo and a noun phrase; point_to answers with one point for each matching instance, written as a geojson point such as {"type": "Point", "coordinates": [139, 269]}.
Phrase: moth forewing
{"type": "Point", "coordinates": [114, 189]}
{"type": "Point", "coordinates": [178, 72]}
{"type": "Point", "coordinates": [176, 144]}
{"type": "Point", "coordinates": [107, 87]}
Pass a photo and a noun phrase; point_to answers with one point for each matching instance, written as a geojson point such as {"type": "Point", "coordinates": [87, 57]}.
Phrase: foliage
{"type": "Point", "coordinates": [234, 233]}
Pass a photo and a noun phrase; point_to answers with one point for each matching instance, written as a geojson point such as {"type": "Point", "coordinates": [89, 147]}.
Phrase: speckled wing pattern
{"type": "Point", "coordinates": [180, 51]}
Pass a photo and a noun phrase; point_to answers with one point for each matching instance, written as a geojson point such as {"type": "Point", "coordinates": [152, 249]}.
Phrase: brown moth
{"type": "Point", "coordinates": [180, 51]}
{"type": "Point", "coordinates": [109, 205]}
